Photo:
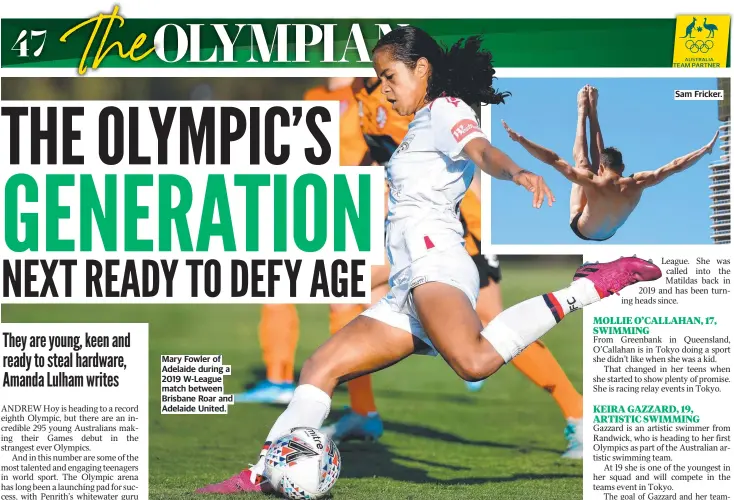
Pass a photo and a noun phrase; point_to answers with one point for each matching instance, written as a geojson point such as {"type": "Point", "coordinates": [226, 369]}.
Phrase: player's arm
{"type": "Point", "coordinates": [581, 176]}
{"type": "Point", "coordinates": [476, 183]}
{"type": "Point", "coordinates": [652, 177]}
{"type": "Point", "coordinates": [500, 166]}
{"type": "Point", "coordinates": [458, 135]}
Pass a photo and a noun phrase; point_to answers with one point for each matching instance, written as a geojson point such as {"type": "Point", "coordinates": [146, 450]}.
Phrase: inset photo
{"type": "Point", "coordinates": [629, 160]}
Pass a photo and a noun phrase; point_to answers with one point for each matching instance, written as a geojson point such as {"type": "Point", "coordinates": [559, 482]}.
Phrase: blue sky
{"type": "Point", "coordinates": [640, 118]}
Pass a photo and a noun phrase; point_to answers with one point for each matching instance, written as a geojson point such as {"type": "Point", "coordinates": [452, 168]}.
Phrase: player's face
{"type": "Point", "coordinates": [403, 87]}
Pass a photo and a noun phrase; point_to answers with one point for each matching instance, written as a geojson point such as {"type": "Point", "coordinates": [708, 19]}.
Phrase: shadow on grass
{"type": "Point", "coordinates": [375, 459]}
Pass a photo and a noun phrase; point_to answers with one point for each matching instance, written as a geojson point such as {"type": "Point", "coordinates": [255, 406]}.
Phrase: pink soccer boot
{"type": "Point", "coordinates": [614, 276]}
{"type": "Point", "coordinates": [239, 483]}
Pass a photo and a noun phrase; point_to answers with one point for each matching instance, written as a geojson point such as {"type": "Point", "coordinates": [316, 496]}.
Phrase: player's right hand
{"type": "Point", "coordinates": [536, 185]}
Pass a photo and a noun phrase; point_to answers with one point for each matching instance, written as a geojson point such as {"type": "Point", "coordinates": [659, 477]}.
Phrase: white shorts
{"type": "Point", "coordinates": [451, 265]}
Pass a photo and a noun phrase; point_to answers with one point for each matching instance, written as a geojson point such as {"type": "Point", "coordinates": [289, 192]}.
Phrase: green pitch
{"type": "Point", "coordinates": [440, 442]}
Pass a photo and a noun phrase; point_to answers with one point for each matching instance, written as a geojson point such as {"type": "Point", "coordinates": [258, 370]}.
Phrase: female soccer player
{"type": "Point", "coordinates": [384, 130]}
{"type": "Point", "coordinates": [430, 307]}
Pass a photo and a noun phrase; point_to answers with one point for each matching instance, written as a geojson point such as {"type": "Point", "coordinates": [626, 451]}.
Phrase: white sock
{"type": "Point", "coordinates": [309, 408]}
{"type": "Point", "coordinates": [519, 326]}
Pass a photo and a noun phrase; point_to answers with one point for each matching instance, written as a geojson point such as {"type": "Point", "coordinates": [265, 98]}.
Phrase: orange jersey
{"type": "Point", "coordinates": [382, 127]}
{"type": "Point", "coordinates": [471, 218]}
{"type": "Point", "coordinates": [352, 146]}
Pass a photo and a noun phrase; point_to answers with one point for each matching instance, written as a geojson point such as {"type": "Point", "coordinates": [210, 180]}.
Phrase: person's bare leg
{"type": "Point", "coordinates": [597, 141]}
{"type": "Point", "coordinates": [536, 362]}
{"type": "Point", "coordinates": [454, 328]}
{"type": "Point", "coordinates": [361, 396]}
{"type": "Point", "coordinates": [489, 302]}
{"type": "Point", "coordinates": [364, 346]}
{"type": "Point", "coordinates": [580, 152]}
{"type": "Point", "coordinates": [489, 305]}
{"type": "Point", "coordinates": [475, 352]}
{"type": "Point", "coordinates": [362, 421]}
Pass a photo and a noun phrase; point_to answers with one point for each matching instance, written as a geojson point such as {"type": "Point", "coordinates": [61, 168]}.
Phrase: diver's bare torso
{"type": "Point", "coordinates": [608, 205]}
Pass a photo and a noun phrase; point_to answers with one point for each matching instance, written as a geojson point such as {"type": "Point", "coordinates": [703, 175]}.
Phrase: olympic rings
{"type": "Point", "coordinates": [701, 46]}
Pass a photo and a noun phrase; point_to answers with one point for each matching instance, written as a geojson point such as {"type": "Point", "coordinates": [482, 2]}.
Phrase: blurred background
{"type": "Point", "coordinates": [78, 88]}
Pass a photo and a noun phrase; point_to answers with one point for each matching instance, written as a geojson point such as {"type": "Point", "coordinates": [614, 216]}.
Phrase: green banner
{"type": "Point", "coordinates": [324, 43]}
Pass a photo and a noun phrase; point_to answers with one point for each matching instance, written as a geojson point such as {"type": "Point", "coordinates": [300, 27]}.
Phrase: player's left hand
{"type": "Point", "coordinates": [536, 185]}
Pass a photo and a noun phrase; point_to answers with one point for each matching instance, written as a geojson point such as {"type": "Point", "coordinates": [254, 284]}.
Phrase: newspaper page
{"type": "Point", "coordinates": [355, 251]}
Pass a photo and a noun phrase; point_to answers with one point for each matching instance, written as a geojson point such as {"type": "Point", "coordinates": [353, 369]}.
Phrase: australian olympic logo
{"type": "Point", "coordinates": [699, 46]}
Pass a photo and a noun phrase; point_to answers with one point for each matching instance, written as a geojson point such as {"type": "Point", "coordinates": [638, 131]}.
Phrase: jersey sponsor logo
{"type": "Point", "coordinates": [463, 128]}
{"type": "Point", "coordinates": [381, 117]}
{"type": "Point", "coordinates": [404, 145]}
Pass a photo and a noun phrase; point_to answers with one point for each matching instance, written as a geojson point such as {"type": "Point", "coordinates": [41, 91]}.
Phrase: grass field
{"type": "Point", "coordinates": [440, 442]}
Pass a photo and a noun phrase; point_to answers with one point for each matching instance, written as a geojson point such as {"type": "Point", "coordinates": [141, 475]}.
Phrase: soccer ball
{"type": "Point", "coordinates": [303, 465]}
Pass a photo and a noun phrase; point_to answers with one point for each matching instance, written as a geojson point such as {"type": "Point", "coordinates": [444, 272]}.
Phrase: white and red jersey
{"type": "Point", "coordinates": [428, 175]}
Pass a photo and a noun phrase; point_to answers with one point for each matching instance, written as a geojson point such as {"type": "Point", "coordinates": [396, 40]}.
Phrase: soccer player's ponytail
{"type": "Point", "coordinates": [464, 71]}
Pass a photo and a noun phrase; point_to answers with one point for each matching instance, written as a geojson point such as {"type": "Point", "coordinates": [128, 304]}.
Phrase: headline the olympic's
{"type": "Point", "coordinates": [236, 197]}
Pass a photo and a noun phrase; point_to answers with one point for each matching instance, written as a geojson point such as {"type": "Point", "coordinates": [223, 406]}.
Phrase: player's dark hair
{"type": "Point", "coordinates": [464, 71]}
{"type": "Point", "coordinates": [612, 158]}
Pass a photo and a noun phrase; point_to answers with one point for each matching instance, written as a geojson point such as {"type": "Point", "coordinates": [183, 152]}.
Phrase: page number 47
{"type": "Point", "coordinates": [21, 44]}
